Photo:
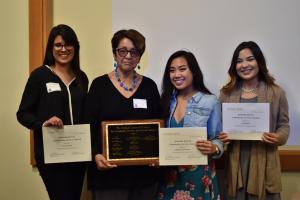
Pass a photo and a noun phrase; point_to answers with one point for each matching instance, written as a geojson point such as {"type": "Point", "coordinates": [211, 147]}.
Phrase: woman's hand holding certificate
{"type": "Point", "coordinates": [177, 146]}
{"type": "Point", "coordinates": [245, 121]}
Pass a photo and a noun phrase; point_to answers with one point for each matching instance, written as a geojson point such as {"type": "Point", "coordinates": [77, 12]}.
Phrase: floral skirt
{"type": "Point", "coordinates": [189, 183]}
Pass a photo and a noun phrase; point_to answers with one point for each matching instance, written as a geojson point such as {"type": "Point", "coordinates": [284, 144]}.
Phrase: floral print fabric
{"type": "Point", "coordinates": [189, 183]}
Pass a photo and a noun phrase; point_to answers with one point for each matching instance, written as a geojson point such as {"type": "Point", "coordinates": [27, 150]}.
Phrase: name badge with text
{"type": "Point", "coordinates": [52, 87]}
{"type": "Point", "coordinates": [140, 103]}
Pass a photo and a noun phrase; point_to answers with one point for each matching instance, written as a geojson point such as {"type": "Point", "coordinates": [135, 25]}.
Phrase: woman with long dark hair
{"type": "Point", "coordinates": [188, 103]}
{"type": "Point", "coordinates": [253, 167]}
{"type": "Point", "coordinates": [54, 96]}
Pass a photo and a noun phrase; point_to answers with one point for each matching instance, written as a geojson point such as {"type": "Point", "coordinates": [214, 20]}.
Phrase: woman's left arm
{"type": "Point", "coordinates": [282, 124]}
{"type": "Point", "coordinates": [213, 145]}
{"type": "Point", "coordinates": [215, 127]}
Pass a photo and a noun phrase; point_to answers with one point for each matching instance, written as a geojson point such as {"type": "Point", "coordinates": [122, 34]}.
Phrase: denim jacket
{"type": "Point", "coordinates": [203, 110]}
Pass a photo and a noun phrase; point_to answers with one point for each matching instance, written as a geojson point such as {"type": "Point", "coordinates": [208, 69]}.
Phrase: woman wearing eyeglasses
{"type": "Point", "coordinates": [54, 96]}
{"type": "Point", "coordinates": [122, 94]}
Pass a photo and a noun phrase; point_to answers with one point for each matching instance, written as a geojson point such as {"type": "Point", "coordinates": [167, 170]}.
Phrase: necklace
{"type": "Point", "coordinates": [252, 90]}
{"type": "Point", "coordinates": [122, 84]}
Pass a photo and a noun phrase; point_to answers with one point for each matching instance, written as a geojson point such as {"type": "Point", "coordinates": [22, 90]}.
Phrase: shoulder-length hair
{"type": "Point", "coordinates": [168, 87]}
{"type": "Point", "coordinates": [70, 38]}
{"type": "Point", "coordinates": [263, 73]}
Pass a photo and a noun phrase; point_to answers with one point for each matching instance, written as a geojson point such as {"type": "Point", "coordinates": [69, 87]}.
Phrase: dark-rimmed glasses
{"type": "Point", "coordinates": [123, 52]}
{"type": "Point", "coordinates": [59, 46]}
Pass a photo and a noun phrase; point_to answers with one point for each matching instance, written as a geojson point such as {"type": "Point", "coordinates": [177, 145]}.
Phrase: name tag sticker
{"type": "Point", "coordinates": [140, 103]}
{"type": "Point", "coordinates": [52, 87]}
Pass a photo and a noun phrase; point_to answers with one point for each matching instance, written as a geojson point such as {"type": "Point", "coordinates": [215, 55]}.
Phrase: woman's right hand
{"type": "Point", "coordinates": [54, 121]}
{"type": "Point", "coordinates": [224, 138]}
{"type": "Point", "coordinates": [102, 163]}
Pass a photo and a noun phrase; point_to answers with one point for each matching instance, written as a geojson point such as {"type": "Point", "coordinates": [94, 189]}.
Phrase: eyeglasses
{"type": "Point", "coordinates": [59, 46]}
{"type": "Point", "coordinates": [123, 52]}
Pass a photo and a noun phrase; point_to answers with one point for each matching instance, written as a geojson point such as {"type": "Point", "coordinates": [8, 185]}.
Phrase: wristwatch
{"type": "Point", "coordinates": [217, 150]}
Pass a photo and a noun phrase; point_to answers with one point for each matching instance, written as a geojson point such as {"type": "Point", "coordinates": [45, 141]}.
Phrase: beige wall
{"type": "Point", "coordinates": [291, 185]}
{"type": "Point", "coordinates": [92, 23]}
{"type": "Point", "coordinates": [17, 179]}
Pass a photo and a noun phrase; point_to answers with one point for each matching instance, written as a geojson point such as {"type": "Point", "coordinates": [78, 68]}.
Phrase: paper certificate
{"type": "Point", "coordinates": [245, 121]}
{"type": "Point", "coordinates": [68, 144]}
{"type": "Point", "coordinates": [177, 146]}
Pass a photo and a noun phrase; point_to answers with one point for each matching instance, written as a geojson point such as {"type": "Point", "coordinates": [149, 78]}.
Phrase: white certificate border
{"type": "Point", "coordinates": [85, 147]}
{"type": "Point", "coordinates": [246, 135]}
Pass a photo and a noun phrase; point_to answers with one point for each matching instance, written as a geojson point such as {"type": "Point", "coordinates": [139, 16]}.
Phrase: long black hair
{"type": "Point", "coordinates": [168, 87]}
{"type": "Point", "coordinates": [70, 38]}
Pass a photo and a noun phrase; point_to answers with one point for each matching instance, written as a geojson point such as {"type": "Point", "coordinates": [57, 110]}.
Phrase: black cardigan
{"type": "Point", "coordinates": [105, 102]}
{"type": "Point", "coordinates": [39, 103]}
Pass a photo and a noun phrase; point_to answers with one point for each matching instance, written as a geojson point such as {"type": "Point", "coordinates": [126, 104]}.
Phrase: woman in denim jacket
{"type": "Point", "coordinates": [188, 103]}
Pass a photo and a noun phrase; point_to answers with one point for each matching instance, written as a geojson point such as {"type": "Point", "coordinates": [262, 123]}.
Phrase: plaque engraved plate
{"type": "Point", "coordinates": [131, 142]}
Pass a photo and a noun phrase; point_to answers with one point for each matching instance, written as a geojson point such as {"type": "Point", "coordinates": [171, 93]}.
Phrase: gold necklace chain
{"type": "Point", "coordinates": [252, 90]}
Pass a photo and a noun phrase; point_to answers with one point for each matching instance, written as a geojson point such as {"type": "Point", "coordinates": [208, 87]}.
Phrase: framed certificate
{"type": "Point", "coordinates": [245, 121]}
{"type": "Point", "coordinates": [131, 142]}
{"type": "Point", "coordinates": [177, 146]}
{"type": "Point", "coordinates": [71, 143]}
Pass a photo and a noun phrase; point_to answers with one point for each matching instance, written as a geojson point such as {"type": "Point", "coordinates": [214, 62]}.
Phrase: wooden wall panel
{"type": "Point", "coordinates": [40, 23]}
{"type": "Point", "coordinates": [290, 160]}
